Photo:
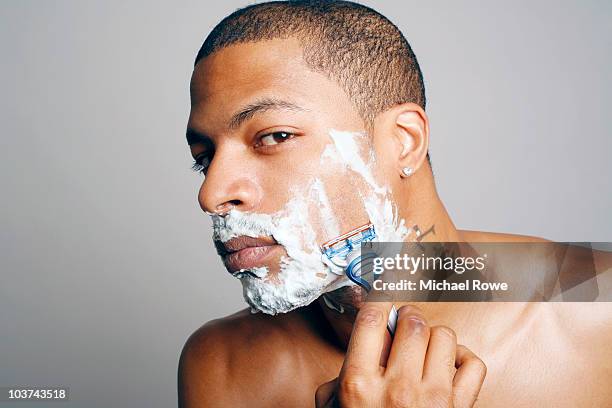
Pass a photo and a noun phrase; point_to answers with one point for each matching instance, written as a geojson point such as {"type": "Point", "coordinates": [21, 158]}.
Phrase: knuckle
{"type": "Point", "coordinates": [352, 388]}
{"type": "Point", "coordinates": [399, 398]}
{"type": "Point", "coordinates": [411, 311]}
{"type": "Point", "coordinates": [445, 331]}
{"type": "Point", "coordinates": [479, 366]}
{"type": "Point", "coordinates": [369, 317]}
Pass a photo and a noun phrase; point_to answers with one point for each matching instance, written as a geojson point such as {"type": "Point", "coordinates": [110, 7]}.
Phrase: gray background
{"type": "Point", "coordinates": [107, 264]}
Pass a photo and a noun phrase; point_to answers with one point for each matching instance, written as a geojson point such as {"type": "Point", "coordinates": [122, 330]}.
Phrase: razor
{"type": "Point", "coordinates": [338, 249]}
{"type": "Point", "coordinates": [345, 251]}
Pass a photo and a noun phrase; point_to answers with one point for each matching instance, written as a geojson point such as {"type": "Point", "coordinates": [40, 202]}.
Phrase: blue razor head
{"type": "Point", "coordinates": [340, 247]}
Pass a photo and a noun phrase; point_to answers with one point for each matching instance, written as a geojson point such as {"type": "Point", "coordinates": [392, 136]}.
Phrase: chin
{"type": "Point", "coordinates": [272, 297]}
{"type": "Point", "coordinates": [295, 285]}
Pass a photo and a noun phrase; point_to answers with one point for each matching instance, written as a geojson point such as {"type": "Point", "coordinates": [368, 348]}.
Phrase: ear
{"type": "Point", "coordinates": [409, 127]}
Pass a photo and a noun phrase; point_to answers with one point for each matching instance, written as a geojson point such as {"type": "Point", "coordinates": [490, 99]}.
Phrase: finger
{"type": "Point", "coordinates": [409, 344]}
{"type": "Point", "coordinates": [439, 368]}
{"type": "Point", "coordinates": [391, 323]}
{"type": "Point", "coordinates": [468, 380]}
{"type": "Point", "coordinates": [365, 347]}
{"type": "Point", "coordinates": [325, 393]}
{"type": "Point", "coordinates": [384, 354]}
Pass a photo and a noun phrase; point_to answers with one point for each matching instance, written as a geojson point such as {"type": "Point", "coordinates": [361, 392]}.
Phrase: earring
{"type": "Point", "coordinates": [407, 171]}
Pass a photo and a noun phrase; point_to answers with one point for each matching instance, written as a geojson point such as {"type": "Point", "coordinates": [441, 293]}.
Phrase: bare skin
{"type": "Point", "coordinates": [535, 354]}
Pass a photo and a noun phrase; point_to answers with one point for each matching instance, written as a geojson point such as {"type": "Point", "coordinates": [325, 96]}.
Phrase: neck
{"type": "Point", "coordinates": [425, 210]}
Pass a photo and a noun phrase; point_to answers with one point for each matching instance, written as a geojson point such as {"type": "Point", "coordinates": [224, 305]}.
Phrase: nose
{"type": "Point", "coordinates": [229, 183]}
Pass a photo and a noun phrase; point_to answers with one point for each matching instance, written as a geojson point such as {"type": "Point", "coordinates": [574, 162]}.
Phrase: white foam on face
{"type": "Point", "coordinates": [305, 273]}
{"type": "Point", "coordinates": [330, 154]}
{"type": "Point", "coordinates": [255, 225]}
{"type": "Point", "coordinates": [348, 147]}
{"type": "Point", "coordinates": [330, 224]}
{"type": "Point", "coordinates": [377, 198]}
{"type": "Point", "coordinates": [302, 276]}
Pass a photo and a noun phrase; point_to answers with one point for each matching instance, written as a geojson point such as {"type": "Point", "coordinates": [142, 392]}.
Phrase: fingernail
{"type": "Point", "coordinates": [416, 324]}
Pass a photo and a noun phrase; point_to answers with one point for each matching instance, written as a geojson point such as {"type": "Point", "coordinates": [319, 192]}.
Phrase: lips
{"type": "Point", "coordinates": [246, 252]}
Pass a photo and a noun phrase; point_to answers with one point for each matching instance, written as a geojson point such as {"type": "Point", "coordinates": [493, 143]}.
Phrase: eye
{"type": "Point", "coordinates": [201, 164]}
{"type": "Point", "coordinates": [275, 138]}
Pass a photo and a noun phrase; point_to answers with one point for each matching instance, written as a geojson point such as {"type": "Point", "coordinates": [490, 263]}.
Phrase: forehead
{"type": "Point", "coordinates": [240, 73]}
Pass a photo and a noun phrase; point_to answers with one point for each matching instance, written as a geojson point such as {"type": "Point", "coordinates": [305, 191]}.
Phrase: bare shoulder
{"type": "Point", "coordinates": [239, 360]}
{"type": "Point", "coordinates": [587, 330]}
{"type": "Point", "coordinates": [482, 236]}
{"type": "Point", "coordinates": [588, 322]}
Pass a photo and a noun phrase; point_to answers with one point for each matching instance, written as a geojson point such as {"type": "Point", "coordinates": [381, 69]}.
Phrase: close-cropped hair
{"type": "Point", "coordinates": [353, 45]}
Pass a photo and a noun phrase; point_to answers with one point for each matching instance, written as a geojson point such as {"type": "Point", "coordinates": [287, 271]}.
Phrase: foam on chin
{"type": "Point", "coordinates": [302, 276]}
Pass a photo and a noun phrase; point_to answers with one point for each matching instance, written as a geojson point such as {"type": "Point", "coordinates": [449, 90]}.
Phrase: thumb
{"type": "Point", "coordinates": [325, 394]}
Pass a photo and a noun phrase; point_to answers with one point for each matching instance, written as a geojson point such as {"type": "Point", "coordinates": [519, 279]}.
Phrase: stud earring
{"type": "Point", "coordinates": [407, 171]}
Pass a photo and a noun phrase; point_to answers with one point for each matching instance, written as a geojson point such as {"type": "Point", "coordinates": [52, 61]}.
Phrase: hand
{"type": "Point", "coordinates": [421, 367]}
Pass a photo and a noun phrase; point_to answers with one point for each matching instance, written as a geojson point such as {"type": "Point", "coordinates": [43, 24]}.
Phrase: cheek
{"type": "Point", "coordinates": [336, 205]}
{"type": "Point", "coordinates": [333, 196]}
{"type": "Point", "coordinates": [335, 193]}
{"type": "Point", "coordinates": [287, 176]}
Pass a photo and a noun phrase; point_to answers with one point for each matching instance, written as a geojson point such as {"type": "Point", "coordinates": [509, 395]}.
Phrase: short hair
{"type": "Point", "coordinates": [357, 47]}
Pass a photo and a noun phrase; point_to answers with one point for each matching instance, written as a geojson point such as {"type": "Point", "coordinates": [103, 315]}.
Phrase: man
{"type": "Point", "coordinates": [308, 120]}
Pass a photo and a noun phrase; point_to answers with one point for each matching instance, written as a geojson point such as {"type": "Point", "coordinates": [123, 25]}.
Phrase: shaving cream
{"type": "Point", "coordinates": [305, 273]}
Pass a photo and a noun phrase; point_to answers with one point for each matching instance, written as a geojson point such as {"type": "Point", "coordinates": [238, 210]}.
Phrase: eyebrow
{"type": "Point", "coordinates": [244, 114]}
{"type": "Point", "coordinates": [260, 106]}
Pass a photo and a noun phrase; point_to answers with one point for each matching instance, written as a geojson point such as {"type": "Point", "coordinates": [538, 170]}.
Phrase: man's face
{"type": "Point", "coordinates": [287, 159]}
